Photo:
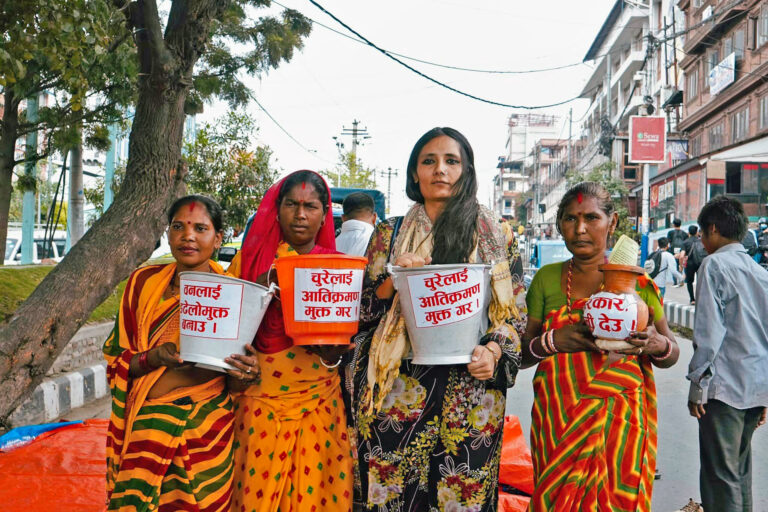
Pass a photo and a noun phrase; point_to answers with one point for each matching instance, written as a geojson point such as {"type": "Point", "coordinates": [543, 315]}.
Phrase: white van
{"type": "Point", "coordinates": [13, 247]}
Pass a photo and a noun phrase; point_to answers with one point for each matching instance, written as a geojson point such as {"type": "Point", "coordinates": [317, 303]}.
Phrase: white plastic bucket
{"type": "Point", "coordinates": [219, 315]}
{"type": "Point", "coordinates": [445, 309]}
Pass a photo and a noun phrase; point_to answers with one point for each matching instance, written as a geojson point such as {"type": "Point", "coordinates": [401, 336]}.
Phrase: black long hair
{"type": "Point", "coordinates": [304, 176]}
{"type": "Point", "coordinates": [212, 207]}
{"type": "Point", "coordinates": [455, 230]}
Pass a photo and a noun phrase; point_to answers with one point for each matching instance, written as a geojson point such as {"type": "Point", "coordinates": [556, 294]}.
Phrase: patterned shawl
{"type": "Point", "coordinates": [390, 342]}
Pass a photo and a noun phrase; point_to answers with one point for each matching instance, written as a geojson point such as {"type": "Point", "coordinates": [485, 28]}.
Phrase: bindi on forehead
{"type": "Point", "coordinates": [580, 197]}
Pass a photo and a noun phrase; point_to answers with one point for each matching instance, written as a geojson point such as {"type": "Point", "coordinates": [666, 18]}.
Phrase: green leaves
{"type": "Point", "coordinates": [350, 172]}
{"type": "Point", "coordinates": [223, 164]}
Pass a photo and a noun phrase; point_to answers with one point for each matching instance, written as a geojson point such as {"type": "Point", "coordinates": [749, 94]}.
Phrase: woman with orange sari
{"type": "Point", "coordinates": [593, 429]}
{"type": "Point", "coordinates": [292, 452]}
{"type": "Point", "coordinates": [169, 443]}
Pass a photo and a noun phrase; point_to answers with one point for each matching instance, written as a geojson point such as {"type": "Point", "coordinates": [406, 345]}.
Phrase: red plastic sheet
{"type": "Point", "coordinates": [516, 467]}
{"type": "Point", "coordinates": [512, 502]}
{"type": "Point", "coordinates": [60, 471]}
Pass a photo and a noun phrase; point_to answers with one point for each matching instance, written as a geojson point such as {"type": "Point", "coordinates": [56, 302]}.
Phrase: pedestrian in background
{"type": "Point", "coordinates": [729, 388]}
{"type": "Point", "coordinates": [359, 218]}
{"type": "Point", "coordinates": [676, 237]}
{"type": "Point", "coordinates": [692, 255]}
{"type": "Point", "coordinates": [668, 268]}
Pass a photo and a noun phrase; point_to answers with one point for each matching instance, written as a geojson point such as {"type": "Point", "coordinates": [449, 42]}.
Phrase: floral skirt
{"type": "Point", "coordinates": [435, 445]}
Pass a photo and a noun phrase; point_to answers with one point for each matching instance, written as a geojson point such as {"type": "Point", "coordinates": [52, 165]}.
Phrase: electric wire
{"type": "Point", "coordinates": [435, 81]}
{"type": "Point", "coordinates": [459, 68]}
{"type": "Point", "coordinates": [294, 139]}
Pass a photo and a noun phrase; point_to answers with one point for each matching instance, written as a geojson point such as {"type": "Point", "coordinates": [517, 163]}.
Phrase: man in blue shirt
{"type": "Point", "coordinates": [729, 381]}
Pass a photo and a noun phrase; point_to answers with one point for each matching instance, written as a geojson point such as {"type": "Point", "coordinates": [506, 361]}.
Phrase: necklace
{"type": "Point", "coordinates": [173, 285]}
{"type": "Point", "coordinates": [568, 287]}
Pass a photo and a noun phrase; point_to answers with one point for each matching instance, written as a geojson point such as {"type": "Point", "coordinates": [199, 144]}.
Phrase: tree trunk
{"type": "Point", "coordinates": [120, 240]}
{"type": "Point", "coordinates": [8, 136]}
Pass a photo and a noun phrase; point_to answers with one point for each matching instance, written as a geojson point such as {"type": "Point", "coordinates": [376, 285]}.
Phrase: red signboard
{"type": "Point", "coordinates": [647, 139]}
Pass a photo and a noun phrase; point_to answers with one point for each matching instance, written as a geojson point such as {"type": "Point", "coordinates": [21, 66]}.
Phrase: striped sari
{"type": "Point", "coordinates": [172, 452]}
{"type": "Point", "coordinates": [593, 433]}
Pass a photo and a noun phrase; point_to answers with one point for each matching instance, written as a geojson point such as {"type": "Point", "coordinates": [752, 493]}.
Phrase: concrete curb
{"type": "Point", "coordinates": [679, 314]}
{"type": "Point", "coordinates": [57, 396]}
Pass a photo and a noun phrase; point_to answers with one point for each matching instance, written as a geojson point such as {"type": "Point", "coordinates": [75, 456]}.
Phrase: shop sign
{"type": "Point", "coordinates": [722, 75]}
{"type": "Point", "coordinates": [654, 196]}
{"type": "Point", "coordinates": [647, 139]}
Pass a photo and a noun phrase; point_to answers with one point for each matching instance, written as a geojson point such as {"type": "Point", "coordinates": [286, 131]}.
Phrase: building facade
{"type": "Point", "coordinates": [725, 110]}
{"type": "Point", "coordinates": [512, 183]}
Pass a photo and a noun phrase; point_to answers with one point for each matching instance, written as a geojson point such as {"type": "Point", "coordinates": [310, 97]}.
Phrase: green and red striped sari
{"type": "Point", "coordinates": [172, 452]}
{"type": "Point", "coordinates": [593, 434]}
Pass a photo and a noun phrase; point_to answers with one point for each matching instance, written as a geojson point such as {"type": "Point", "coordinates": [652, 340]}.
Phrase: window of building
{"type": "Point", "coordinates": [738, 44]}
{"type": "Point", "coordinates": [695, 149]}
{"type": "Point", "coordinates": [740, 125]}
{"type": "Point", "coordinates": [507, 203]}
{"type": "Point", "coordinates": [763, 113]}
{"type": "Point", "coordinates": [693, 83]}
{"type": "Point", "coordinates": [697, 3]}
{"type": "Point", "coordinates": [511, 185]}
{"type": "Point", "coordinates": [762, 27]}
{"type": "Point", "coordinates": [713, 58]}
{"type": "Point", "coordinates": [716, 136]}
{"type": "Point", "coordinates": [733, 179]}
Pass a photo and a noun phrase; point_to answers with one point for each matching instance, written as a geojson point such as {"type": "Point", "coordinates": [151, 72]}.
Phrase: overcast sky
{"type": "Point", "coordinates": [334, 80]}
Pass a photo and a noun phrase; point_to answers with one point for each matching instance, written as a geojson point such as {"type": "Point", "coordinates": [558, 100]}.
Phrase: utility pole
{"type": "Point", "coordinates": [28, 200]}
{"type": "Point", "coordinates": [570, 136]}
{"type": "Point", "coordinates": [76, 221]}
{"type": "Point", "coordinates": [389, 173]}
{"type": "Point", "coordinates": [109, 166]}
{"type": "Point", "coordinates": [358, 135]}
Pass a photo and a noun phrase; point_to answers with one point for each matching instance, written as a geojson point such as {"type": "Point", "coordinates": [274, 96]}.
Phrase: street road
{"type": "Point", "coordinates": [678, 453]}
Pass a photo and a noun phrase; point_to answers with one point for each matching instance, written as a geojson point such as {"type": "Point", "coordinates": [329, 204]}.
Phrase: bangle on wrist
{"type": "Point", "coordinates": [330, 366]}
{"type": "Point", "coordinates": [666, 354]}
{"type": "Point", "coordinates": [530, 348]}
{"type": "Point", "coordinates": [551, 341]}
{"type": "Point", "coordinates": [493, 353]}
{"type": "Point", "coordinates": [144, 362]}
{"type": "Point", "coordinates": [543, 342]}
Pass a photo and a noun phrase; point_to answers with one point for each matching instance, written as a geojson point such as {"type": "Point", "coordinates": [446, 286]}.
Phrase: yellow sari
{"type": "Point", "coordinates": [292, 452]}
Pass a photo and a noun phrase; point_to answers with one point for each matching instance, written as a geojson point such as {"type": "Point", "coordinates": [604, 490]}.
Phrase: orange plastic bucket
{"type": "Point", "coordinates": [320, 295]}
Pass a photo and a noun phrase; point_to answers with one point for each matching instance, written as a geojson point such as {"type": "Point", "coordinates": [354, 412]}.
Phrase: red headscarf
{"type": "Point", "coordinates": [259, 249]}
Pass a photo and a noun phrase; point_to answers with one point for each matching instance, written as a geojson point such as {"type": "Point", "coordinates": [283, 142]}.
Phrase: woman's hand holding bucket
{"type": "Point", "coordinates": [247, 367]}
{"type": "Point", "coordinates": [484, 361]}
{"type": "Point", "coordinates": [408, 260]}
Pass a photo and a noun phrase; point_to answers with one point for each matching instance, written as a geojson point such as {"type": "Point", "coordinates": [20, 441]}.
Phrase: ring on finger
{"type": "Point", "coordinates": [640, 350]}
{"type": "Point", "coordinates": [248, 371]}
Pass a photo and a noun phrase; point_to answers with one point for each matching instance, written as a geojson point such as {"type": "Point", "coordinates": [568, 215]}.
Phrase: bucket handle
{"type": "Point", "coordinates": [389, 268]}
{"type": "Point", "coordinates": [271, 293]}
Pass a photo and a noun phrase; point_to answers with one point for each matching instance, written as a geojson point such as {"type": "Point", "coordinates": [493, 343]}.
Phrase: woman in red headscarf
{"type": "Point", "coordinates": [291, 444]}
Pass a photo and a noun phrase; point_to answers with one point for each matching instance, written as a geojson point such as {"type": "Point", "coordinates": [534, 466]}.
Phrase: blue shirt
{"type": "Point", "coordinates": [730, 336]}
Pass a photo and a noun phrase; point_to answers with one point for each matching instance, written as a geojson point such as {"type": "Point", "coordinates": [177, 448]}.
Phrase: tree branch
{"type": "Point", "coordinates": [162, 60]}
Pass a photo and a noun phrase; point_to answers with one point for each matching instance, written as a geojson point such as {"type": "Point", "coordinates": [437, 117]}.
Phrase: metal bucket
{"type": "Point", "coordinates": [445, 309]}
{"type": "Point", "coordinates": [219, 315]}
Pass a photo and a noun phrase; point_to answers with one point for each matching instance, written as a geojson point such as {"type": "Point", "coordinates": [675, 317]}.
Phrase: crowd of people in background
{"type": "Point", "coordinates": [361, 427]}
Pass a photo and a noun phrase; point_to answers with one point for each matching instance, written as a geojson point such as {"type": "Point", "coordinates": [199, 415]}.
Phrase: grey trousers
{"type": "Point", "coordinates": [725, 434]}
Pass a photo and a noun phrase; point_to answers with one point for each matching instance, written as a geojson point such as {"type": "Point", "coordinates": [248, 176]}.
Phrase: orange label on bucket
{"type": "Point", "coordinates": [210, 310]}
{"type": "Point", "coordinates": [446, 297]}
{"type": "Point", "coordinates": [323, 295]}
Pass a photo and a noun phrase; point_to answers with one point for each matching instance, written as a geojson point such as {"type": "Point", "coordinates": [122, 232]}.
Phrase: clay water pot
{"type": "Point", "coordinates": [617, 309]}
